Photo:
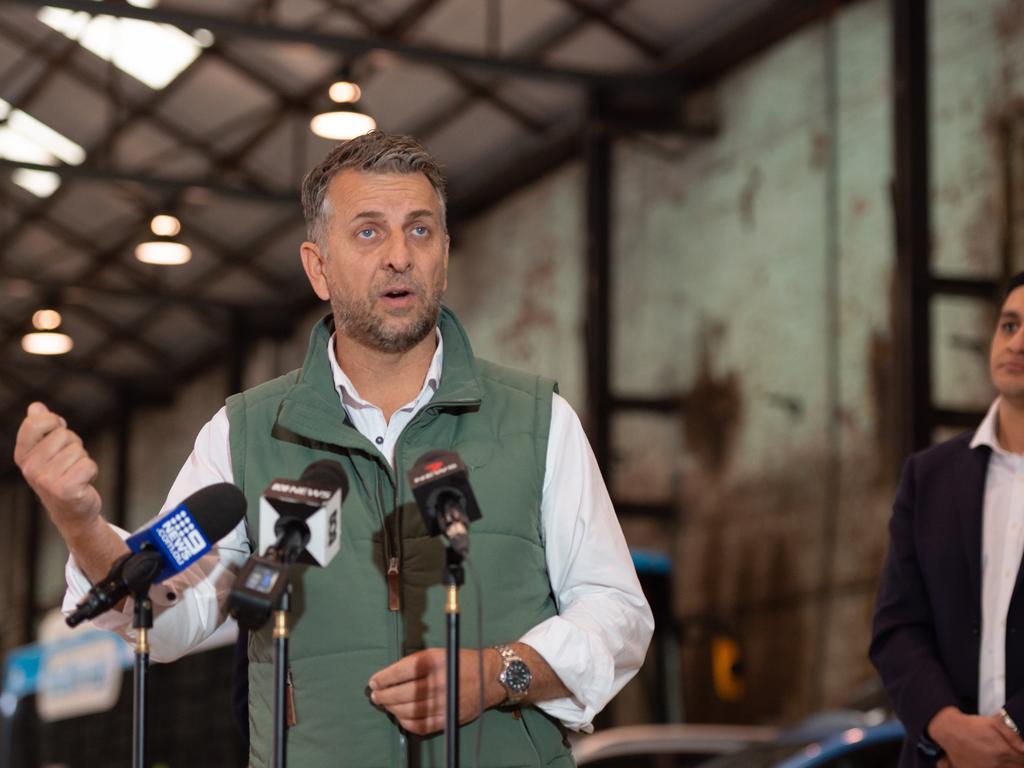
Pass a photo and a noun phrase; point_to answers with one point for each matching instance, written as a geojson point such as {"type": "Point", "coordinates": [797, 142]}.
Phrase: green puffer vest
{"type": "Point", "coordinates": [342, 631]}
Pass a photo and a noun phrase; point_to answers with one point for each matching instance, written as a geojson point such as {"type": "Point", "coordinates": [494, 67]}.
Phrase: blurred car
{"type": "Point", "coordinates": [874, 746]}
{"type": "Point", "coordinates": [863, 746]}
{"type": "Point", "coordinates": [835, 739]}
{"type": "Point", "coordinates": [676, 745]}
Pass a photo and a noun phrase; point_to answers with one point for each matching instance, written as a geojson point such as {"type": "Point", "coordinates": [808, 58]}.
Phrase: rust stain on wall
{"type": "Point", "coordinates": [532, 313]}
{"type": "Point", "coordinates": [712, 409]}
{"type": "Point", "coordinates": [1009, 20]}
{"type": "Point", "coordinates": [750, 574]}
{"type": "Point", "coordinates": [819, 149]}
{"type": "Point", "coordinates": [748, 197]}
{"type": "Point", "coordinates": [883, 403]}
{"type": "Point", "coordinates": [977, 234]}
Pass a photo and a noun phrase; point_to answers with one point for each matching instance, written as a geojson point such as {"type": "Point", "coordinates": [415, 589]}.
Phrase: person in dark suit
{"type": "Point", "coordinates": [948, 633]}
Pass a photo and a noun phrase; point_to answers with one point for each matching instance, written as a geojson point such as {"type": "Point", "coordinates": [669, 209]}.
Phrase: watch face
{"type": "Point", "coordinates": [517, 677]}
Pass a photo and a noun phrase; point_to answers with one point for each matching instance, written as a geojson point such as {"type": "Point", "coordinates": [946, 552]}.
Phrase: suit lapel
{"type": "Point", "coordinates": [969, 496]}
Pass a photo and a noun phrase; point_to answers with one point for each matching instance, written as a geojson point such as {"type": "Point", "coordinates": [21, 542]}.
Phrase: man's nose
{"type": "Point", "coordinates": [398, 256]}
{"type": "Point", "coordinates": [1016, 342]}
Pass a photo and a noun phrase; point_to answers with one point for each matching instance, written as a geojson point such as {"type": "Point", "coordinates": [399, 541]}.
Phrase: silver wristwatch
{"type": "Point", "coordinates": [515, 676]}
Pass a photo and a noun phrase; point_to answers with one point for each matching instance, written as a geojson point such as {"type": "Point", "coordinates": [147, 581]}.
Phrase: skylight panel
{"type": "Point", "coordinates": [24, 138]}
{"type": "Point", "coordinates": [39, 183]}
{"type": "Point", "coordinates": [57, 144]}
{"type": "Point", "coordinates": [152, 53]}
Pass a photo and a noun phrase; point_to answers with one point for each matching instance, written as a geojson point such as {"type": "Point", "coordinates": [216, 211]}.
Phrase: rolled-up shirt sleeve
{"type": "Point", "coordinates": [599, 639]}
{"type": "Point", "coordinates": [188, 607]}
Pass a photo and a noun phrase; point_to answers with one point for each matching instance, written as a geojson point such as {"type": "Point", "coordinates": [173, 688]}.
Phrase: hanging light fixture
{"type": "Point", "coordinates": [345, 122]}
{"type": "Point", "coordinates": [45, 339]}
{"type": "Point", "coordinates": [163, 249]}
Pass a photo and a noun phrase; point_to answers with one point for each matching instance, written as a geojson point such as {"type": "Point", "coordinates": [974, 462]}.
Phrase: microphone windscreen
{"type": "Point", "coordinates": [327, 473]}
{"type": "Point", "coordinates": [216, 509]}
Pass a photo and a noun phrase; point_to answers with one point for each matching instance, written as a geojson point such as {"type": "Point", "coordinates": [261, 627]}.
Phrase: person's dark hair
{"type": "Point", "coordinates": [374, 152]}
{"type": "Point", "coordinates": [1015, 282]}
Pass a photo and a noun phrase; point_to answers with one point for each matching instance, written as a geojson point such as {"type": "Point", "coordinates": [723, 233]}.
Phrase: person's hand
{"type": "Point", "coordinates": [57, 467]}
{"type": "Point", "coordinates": [973, 741]}
{"type": "Point", "coordinates": [413, 688]}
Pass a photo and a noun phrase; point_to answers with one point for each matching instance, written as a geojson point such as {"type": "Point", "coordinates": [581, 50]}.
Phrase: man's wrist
{"type": "Point", "coordinates": [494, 691]}
{"type": "Point", "coordinates": [95, 546]}
{"type": "Point", "coordinates": [81, 532]}
{"type": "Point", "coordinates": [942, 725]}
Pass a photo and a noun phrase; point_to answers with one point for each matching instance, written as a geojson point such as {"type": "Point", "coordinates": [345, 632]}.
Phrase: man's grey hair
{"type": "Point", "coordinates": [373, 152]}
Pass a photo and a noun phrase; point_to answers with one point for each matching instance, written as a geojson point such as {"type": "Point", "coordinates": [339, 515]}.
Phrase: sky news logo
{"type": "Point", "coordinates": [305, 491]}
{"type": "Point", "coordinates": [181, 537]}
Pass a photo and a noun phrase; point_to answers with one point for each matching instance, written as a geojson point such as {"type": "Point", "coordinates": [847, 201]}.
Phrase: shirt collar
{"type": "Point", "coordinates": [350, 396]}
{"type": "Point", "coordinates": [987, 433]}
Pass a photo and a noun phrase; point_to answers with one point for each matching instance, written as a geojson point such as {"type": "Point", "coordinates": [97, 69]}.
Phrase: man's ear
{"type": "Point", "coordinates": [316, 269]}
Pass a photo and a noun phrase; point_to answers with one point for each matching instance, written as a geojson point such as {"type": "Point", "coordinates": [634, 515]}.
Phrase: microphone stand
{"type": "Point", "coordinates": [453, 578]}
{"type": "Point", "coordinates": [281, 678]}
{"type": "Point", "coordinates": [142, 622]}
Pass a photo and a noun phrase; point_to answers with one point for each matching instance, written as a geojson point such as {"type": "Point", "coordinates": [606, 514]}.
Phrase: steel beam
{"type": "Point", "coordinates": [93, 173]}
{"type": "Point", "coordinates": [699, 61]}
{"type": "Point", "coordinates": [149, 388]}
{"type": "Point", "coordinates": [605, 18]}
{"type": "Point", "coordinates": [945, 417]}
{"type": "Point", "coordinates": [663, 405]}
{"type": "Point", "coordinates": [597, 152]}
{"type": "Point", "coordinates": [122, 478]}
{"type": "Point", "coordinates": [33, 540]}
{"type": "Point", "coordinates": [361, 45]}
{"type": "Point", "coordinates": [965, 286]}
{"type": "Point", "coordinates": [913, 217]}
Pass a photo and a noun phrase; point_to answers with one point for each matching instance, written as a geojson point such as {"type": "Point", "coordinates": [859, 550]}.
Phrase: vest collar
{"type": "Point", "coordinates": [312, 407]}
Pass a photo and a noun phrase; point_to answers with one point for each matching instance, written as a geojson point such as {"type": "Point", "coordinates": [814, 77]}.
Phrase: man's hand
{"type": "Point", "coordinates": [57, 466]}
{"type": "Point", "coordinates": [413, 689]}
{"type": "Point", "coordinates": [973, 741]}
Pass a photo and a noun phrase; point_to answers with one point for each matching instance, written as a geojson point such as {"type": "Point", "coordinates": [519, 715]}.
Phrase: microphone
{"type": "Point", "coordinates": [305, 517]}
{"type": "Point", "coordinates": [440, 485]}
{"type": "Point", "coordinates": [166, 546]}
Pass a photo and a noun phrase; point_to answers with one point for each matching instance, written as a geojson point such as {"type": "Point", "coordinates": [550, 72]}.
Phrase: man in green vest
{"type": "Point", "coordinates": [388, 376]}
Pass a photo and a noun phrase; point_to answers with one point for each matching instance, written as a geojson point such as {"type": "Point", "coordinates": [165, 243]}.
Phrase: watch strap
{"type": "Point", "coordinates": [508, 655]}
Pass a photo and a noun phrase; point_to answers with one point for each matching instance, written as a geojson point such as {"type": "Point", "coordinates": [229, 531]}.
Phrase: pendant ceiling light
{"type": "Point", "coordinates": [163, 249]}
{"type": "Point", "coordinates": [45, 339]}
{"type": "Point", "coordinates": [345, 122]}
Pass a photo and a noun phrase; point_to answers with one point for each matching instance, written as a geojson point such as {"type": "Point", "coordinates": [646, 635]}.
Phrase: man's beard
{"type": "Point", "coordinates": [357, 321]}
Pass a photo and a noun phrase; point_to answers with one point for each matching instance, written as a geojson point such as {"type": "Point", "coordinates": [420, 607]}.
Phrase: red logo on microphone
{"type": "Point", "coordinates": [434, 466]}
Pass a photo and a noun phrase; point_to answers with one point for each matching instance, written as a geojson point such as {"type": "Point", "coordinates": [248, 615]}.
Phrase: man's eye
{"type": "Point", "coordinates": [420, 231]}
{"type": "Point", "coordinates": [1011, 327]}
{"type": "Point", "coordinates": [365, 234]}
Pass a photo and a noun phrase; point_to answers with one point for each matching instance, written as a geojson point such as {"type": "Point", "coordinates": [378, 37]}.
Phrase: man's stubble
{"type": "Point", "coordinates": [357, 320]}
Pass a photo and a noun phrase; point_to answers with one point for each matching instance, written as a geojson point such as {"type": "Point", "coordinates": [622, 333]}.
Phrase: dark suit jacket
{"type": "Point", "coordinates": [927, 625]}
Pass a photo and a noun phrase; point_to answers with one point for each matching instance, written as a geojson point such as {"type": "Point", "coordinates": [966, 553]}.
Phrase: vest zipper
{"type": "Point", "coordinates": [392, 554]}
{"type": "Point", "coordinates": [394, 595]}
{"type": "Point", "coordinates": [392, 551]}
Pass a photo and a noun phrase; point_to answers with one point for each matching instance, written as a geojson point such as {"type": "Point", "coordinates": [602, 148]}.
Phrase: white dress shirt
{"type": "Point", "coordinates": [595, 644]}
{"type": "Point", "coordinates": [1001, 545]}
